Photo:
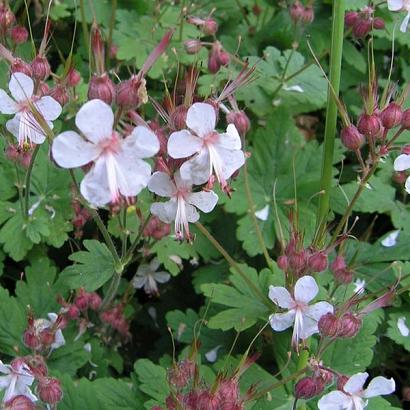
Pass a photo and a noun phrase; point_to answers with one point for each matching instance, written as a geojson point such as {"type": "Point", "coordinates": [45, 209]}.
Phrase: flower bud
{"type": "Point", "coordinates": [31, 340]}
{"type": "Point", "coordinates": [391, 116]}
{"type": "Point", "coordinates": [73, 312]}
{"type": "Point", "coordinates": [306, 388]}
{"type": "Point", "coordinates": [73, 78]}
{"type": "Point", "coordinates": [209, 27]}
{"type": "Point", "coordinates": [349, 325]}
{"type": "Point", "coordinates": [296, 11]}
{"type": "Point", "coordinates": [178, 117]}
{"type": "Point", "coordinates": [94, 301]}
{"type": "Point", "coordinates": [47, 337]}
{"type": "Point", "coordinates": [318, 261]}
{"type": "Point", "coordinates": [344, 276]}
{"type": "Point", "coordinates": [283, 262]}
{"type": "Point", "coordinates": [82, 300]}
{"type": "Point", "coordinates": [156, 228]}
{"type": "Point", "coordinates": [20, 66]}
{"type": "Point", "coordinates": [329, 325]}
{"type": "Point", "coordinates": [369, 125]}
{"type": "Point", "coordinates": [223, 58]}
{"type": "Point", "coordinates": [49, 390]}
{"type": "Point", "coordinates": [298, 262]}
{"type": "Point", "coordinates": [405, 119]}
{"type": "Point", "coordinates": [351, 138]}
{"type": "Point", "coordinates": [308, 15]}
{"type": "Point", "coordinates": [213, 64]}
{"type": "Point", "coordinates": [132, 93]}
{"type": "Point", "coordinates": [7, 18]}
{"type": "Point", "coordinates": [192, 46]}
{"type": "Point", "coordinates": [43, 89]}
{"type": "Point", "coordinates": [378, 23]}
{"type": "Point", "coordinates": [240, 120]}
{"type": "Point", "coordinates": [102, 88]}
{"type": "Point", "coordinates": [41, 68]}
{"type": "Point", "coordinates": [341, 381]}
{"type": "Point", "coordinates": [362, 28]}
{"type": "Point", "coordinates": [351, 18]}
{"type": "Point", "coordinates": [19, 34]}
{"type": "Point", "coordinates": [338, 264]}
{"type": "Point", "coordinates": [19, 402]}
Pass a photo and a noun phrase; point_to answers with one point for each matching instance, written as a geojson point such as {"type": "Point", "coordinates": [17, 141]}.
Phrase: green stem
{"type": "Point", "coordinates": [131, 250]}
{"type": "Point", "coordinates": [234, 265]}
{"type": "Point", "coordinates": [112, 291]}
{"type": "Point", "coordinates": [331, 111]}
{"type": "Point", "coordinates": [86, 34]}
{"type": "Point", "coordinates": [27, 181]}
{"type": "Point", "coordinates": [112, 24]}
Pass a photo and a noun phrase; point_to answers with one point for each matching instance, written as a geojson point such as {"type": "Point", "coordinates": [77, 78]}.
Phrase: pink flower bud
{"type": "Point", "coordinates": [7, 18]}
{"type": "Point", "coordinates": [240, 120]}
{"type": "Point", "coordinates": [207, 401]}
{"type": "Point", "coordinates": [31, 340]}
{"type": "Point", "coordinates": [391, 116]}
{"type": "Point", "coordinates": [329, 325]}
{"type": "Point", "coordinates": [228, 390]}
{"type": "Point", "coordinates": [20, 66]}
{"type": "Point", "coordinates": [19, 34]}
{"type": "Point", "coordinates": [192, 46]}
{"type": "Point", "coordinates": [308, 15]}
{"type": "Point", "coordinates": [43, 89]}
{"type": "Point", "coordinates": [82, 300]}
{"type": "Point", "coordinates": [178, 117]}
{"type": "Point", "coordinates": [12, 152]}
{"type": "Point", "coordinates": [223, 58]}
{"type": "Point", "coordinates": [351, 138]}
{"type": "Point", "coordinates": [296, 11]}
{"type": "Point", "coordinates": [344, 276]}
{"type": "Point", "coordinates": [73, 312]}
{"type": "Point", "coordinates": [213, 64]}
{"type": "Point", "coordinates": [94, 301]}
{"type": "Point", "coordinates": [59, 93]}
{"type": "Point", "coordinates": [156, 228]}
{"type": "Point", "coordinates": [341, 381]}
{"type": "Point", "coordinates": [73, 78]}
{"type": "Point", "coordinates": [378, 23]}
{"type": "Point", "coordinates": [19, 402]}
{"type": "Point", "coordinates": [369, 125]}
{"type": "Point", "coordinates": [47, 337]}
{"type": "Point", "coordinates": [132, 93]}
{"type": "Point", "coordinates": [306, 388]}
{"type": "Point", "coordinates": [41, 68]}
{"type": "Point", "coordinates": [298, 262]}
{"type": "Point", "coordinates": [283, 262]}
{"type": "Point", "coordinates": [349, 325]}
{"type": "Point", "coordinates": [405, 119]}
{"type": "Point", "coordinates": [351, 18]}
{"type": "Point", "coordinates": [102, 88]}
{"type": "Point", "coordinates": [210, 27]}
{"type": "Point", "coordinates": [338, 264]}
{"type": "Point", "coordinates": [318, 261]}
{"type": "Point", "coordinates": [362, 28]}
{"type": "Point", "coordinates": [49, 390]}
{"type": "Point", "coordinates": [400, 177]}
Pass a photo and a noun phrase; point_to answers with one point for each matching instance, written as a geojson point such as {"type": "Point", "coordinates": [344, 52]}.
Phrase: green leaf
{"type": "Point", "coordinates": [393, 330]}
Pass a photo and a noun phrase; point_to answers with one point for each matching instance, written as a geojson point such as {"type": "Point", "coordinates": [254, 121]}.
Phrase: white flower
{"type": "Point", "coordinates": [397, 5]}
{"type": "Point", "coordinates": [17, 381]}
{"type": "Point", "coordinates": [147, 277]}
{"type": "Point", "coordinates": [401, 325]}
{"type": "Point", "coordinates": [391, 239]}
{"type": "Point", "coordinates": [401, 163]}
{"type": "Point", "coordinates": [24, 126]}
{"type": "Point", "coordinates": [42, 324]}
{"type": "Point", "coordinates": [303, 317]}
{"type": "Point", "coordinates": [118, 167]}
{"type": "Point", "coordinates": [181, 207]}
{"type": "Point", "coordinates": [263, 214]}
{"type": "Point", "coordinates": [218, 154]}
{"type": "Point", "coordinates": [359, 285]}
{"type": "Point", "coordinates": [353, 395]}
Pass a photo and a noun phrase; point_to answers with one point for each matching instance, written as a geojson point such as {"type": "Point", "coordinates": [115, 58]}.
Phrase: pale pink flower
{"type": "Point", "coordinates": [43, 324]}
{"type": "Point", "coordinates": [401, 163]}
{"type": "Point", "coordinates": [181, 208]}
{"type": "Point", "coordinates": [353, 396]}
{"type": "Point", "coordinates": [147, 276]}
{"type": "Point", "coordinates": [302, 316]}
{"type": "Point", "coordinates": [398, 5]}
{"type": "Point", "coordinates": [24, 126]}
{"type": "Point", "coordinates": [118, 168]}
{"type": "Point", "coordinates": [214, 153]}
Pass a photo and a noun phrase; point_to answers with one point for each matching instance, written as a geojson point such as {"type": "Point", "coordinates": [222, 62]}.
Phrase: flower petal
{"type": "Point", "coordinates": [308, 327]}
{"type": "Point", "coordinates": [282, 321]}
{"type": "Point", "coordinates": [143, 143]}
{"type": "Point", "coordinates": [192, 214]}
{"type": "Point", "coordinates": [162, 277]}
{"type": "Point", "coordinates": [402, 162]}
{"type": "Point", "coordinates": [26, 124]}
{"type": "Point", "coordinates": [231, 160]}
{"type": "Point", "coordinates": [305, 289]}
{"type": "Point", "coordinates": [198, 169]}
{"type": "Point", "coordinates": [201, 118]}
{"type": "Point", "coordinates": [204, 200]}
{"type": "Point", "coordinates": [138, 281]}
{"type": "Point", "coordinates": [231, 139]}
{"type": "Point", "coordinates": [21, 86]}
{"type": "Point", "coordinates": [7, 104]}
{"type": "Point", "coordinates": [355, 383]}
{"type": "Point", "coordinates": [183, 144]}
{"type": "Point", "coordinates": [161, 184]}
{"type": "Point", "coordinates": [380, 386]}
{"type": "Point", "coordinates": [319, 309]}
{"type": "Point", "coordinates": [405, 23]}
{"type": "Point", "coordinates": [166, 211]}
{"type": "Point", "coordinates": [95, 120]}
{"type": "Point", "coordinates": [281, 297]}
{"type": "Point", "coordinates": [335, 400]}
{"type": "Point", "coordinates": [48, 107]}
{"type": "Point", "coordinates": [154, 264]}
{"type": "Point", "coordinates": [70, 150]}
{"type": "Point", "coordinates": [395, 5]}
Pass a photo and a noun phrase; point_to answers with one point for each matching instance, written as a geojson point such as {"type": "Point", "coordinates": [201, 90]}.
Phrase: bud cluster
{"type": "Point", "coordinates": [300, 13]}
{"type": "Point", "coordinates": [344, 326]}
{"type": "Point", "coordinates": [363, 22]}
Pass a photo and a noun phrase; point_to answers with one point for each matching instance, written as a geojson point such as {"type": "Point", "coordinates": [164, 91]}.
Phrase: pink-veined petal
{"type": "Point", "coordinates": [355, 383]}
{"type": "Point", "coordinates": [380, 386]}
{"type": "Point", "coordinates": [231, 139]}
{"type": "Point", "coordinates": [201, 119]}
{"type": "Point", "coordinates": [70, 150]}
{"type": "Point", "coordinates": [405, 23]}
{"type": "Point", "coordinates": [231, 161]}
{"type": "Point", "coordinates": [183, 144]}
{"type": "Point", "coordinates": [95, 120]}
{"type": "Point", "coordinates": [402, 162]}
{"type": "Point", "coordinates": [317, 310]}
{"type": "Point", "coordinates": [395, 5]}
{"type": "Point", "coordinates": [13, 125]}
{"type": "Point", "coordinates": [161, 184]}
{"type": "Point", "coordinates": [204, 200]}
{"type": "Point", "coordinates": [282, 321]}
{"type": "Point", "coordinates": [305, 289]}
{"type": "Point", "coordinates": [25, 127]}
{"type": "Point", "coordinates": [335, 400]}
{"type": "Point", "coordinates": [308, 327]}
{"type": "Point", "coordinates": [192, 215]}
{"type": "Point", "coordinates": [165, 211]}
{"type": "Point", "coordinates": [281, 297]}
{"type": "Point", "coordinates": [143, 143]}
{"type": "Point", "coordinates": [198, 169]}
{"type": "Point", "coordinates": [48, 107]}
{"type": "Point", "coordinates": [21, 86]}
{"type": "Point", "coordinates": [7, 104]}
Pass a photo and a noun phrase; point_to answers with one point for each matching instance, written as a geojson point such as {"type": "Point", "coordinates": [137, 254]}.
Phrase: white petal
{"type": "Point", "coordinates": [395, 5]}
{"type": "Point", "coordinates": [407, 185]}
{"type": "Point", "coordinates": [335, 400]}
{"type": "Point", "coordinates": [197, 169]}
{"type": "Point", "coordinates": [21, 86]}
{"type": "Point", "coordinates": [401, 325]}
{"type": "Point", "coordinates": [138, 281]}
{"type": "Point", "coordinates": [204, 200]}
{"type": "Point", "coordinates": [281, 297]}
{"type": "Point", "coordinates": [161, 184]}
{"type": "Point", "coordinates": [405, 23]}
{"type": "Point", "coordinates": [143, 143]}
{"type": "Point", "coordinates": [166, 211]}
{"type": "Point", "coordinates": [231, 139]}
{"type": "Point", "coordinates": [4, 368]}
{"type": "Point", "coordinates": [282, 321]}
{"type": "Point", "coordinates": [308, 327]}
{"type": "Point", "coordinates": [212, 355]}
{"type": "Point", "coordinates": [391, 239]}
{"type": "Point", "coordinates": [7, 104]}
{"type": "Point", "coordinates": [231, 160]}
{"type": "Point", "coordinates": [355, 383]}
{"type": "Point", "coordinates": [359, 285]}
{"type": "Point", "coordinates": [162, 277]}
{"type": "Point", "coordinates": [380, 386]}
{"type": "Point", "coordinates": [70, 150]}
{"type": "Point", "coordinates": [95, 120]}
{"type": "Point", "coordinates": [48, 107]}
{"type": "Point", "coordinates": [201, 118]}
{"type": "Point", "coordinates": [154, 264]}
{"type": "Point", "coordinates": [52, 316]}
{"type": "Point", "coordinates": [305, 289]}
{"type": "Point", "coordinates": [192, 214]}
{"type": "Point", "coordinates": [26, 123]}
{"type": "Point", "coordinates": [317, 310]}
{"type": "Point", "coordinates": [402, 162]}
{"type": "Point", "coordinates": [263, 214]}
{"type": "Point", "coordinates": [58, 340]}
{"type": "Point", "coordinates": [183, 144]}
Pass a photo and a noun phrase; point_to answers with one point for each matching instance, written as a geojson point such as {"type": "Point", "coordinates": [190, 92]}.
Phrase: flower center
{"type": "Point", "coordinates": [111, 145]}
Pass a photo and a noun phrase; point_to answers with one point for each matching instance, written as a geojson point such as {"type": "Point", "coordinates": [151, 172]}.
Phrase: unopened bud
{"type": "Point", "coordinates": [391, 116]}
{"type": "Point", "coordinates": [73, 78]}
{"type": "Point", "coordinates": [223, 57]}
{"type": "Point", "coordinates": [82, 300]}
{"type": "Point", "coordinates": [341, 381]}
{"type": "Point", "coordinates": [306, 388]}
{"type": "Point", "coordinates": [213, 64]}
{"type": "Point", "coordinates": [20, 66]}
{"type": "Point", "coordinates": [349, 325]}
{"type": "Point", "coordinates": [329, 325]}
{"type": "Point", "coordinates": [318, 261]}
{"type": "Point", "coordinates": [344, 276]}
{"type": "Point", "coordinates": [369, 125]}
{"type": "Point", "coordinates": [240, 120]}
{"type": "Point", "coordinates": [7, 18]}
{"type": "Point", "coordinates": [73, 312]}
{"type": "Point", "coordinates": [19, 402]}
{"type": "Point", "coordinates": [351, 138]}
{"type": "Point", "coordinates": [43, 88]}
{"type": "Point", "coordinates": [210, 27]}
{"type": "Point", "coordinates": [41, 68]}
{"type": "Point", "coordinates": [94, 301]}
{"type": "Point", "coordinates": [49, 390]}
{"type": "Point", "coordinates": [283, 262]}
{"type": "Point", "coordinates": [102, 88]}
{"type": "Point", "coordinates": [132, 93]}
{"type": "Point", "coordinates": [193, 46]}
{"type": "Point", "coordinates": [178, 117]}
{"type": "Point", "coordinates": [31, 340]}
{"type": "Point", "coordinates": [19, 34]}
{"type": "Point", "coordinates": [59, 93]}
{"type": "Point", "coordinates": [298, 262]}
{"type": "Point", "coordinates": [47, 337]}
{"type": "Point", "coordinates": [296, 11]}
{"type": "Point", "coordinates": [378, 23]}
{"type": "Point", "coordinates": [362, 28]}
{"type": "Point", "coordinates": [400, 177]}
{"type": "Point", "coordinates": [338, 264]}
{"type": "Point", "coordinates": [351, 18]}
{"type": "Point", "coordinates": [405, 119]}
{"type": "Point", "coordinates": [308, 15]}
